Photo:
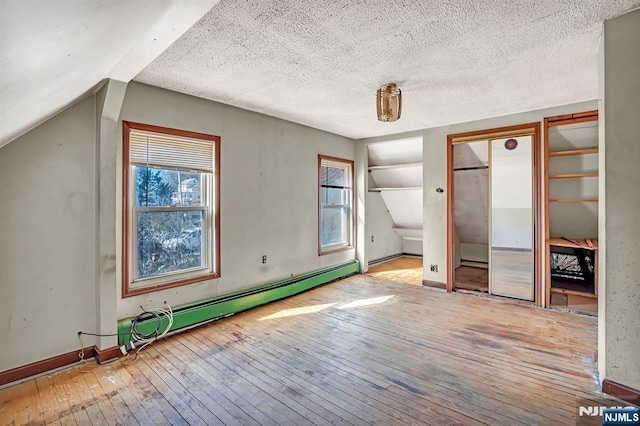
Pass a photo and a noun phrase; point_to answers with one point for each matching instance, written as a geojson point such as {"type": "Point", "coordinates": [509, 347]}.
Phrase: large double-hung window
{"type": "Point", "coordinates": [335, 204]}
{"type": "Point", "coordinates": [170, 208]}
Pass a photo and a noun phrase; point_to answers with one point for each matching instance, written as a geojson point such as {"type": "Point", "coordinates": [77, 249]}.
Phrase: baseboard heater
{"type": "Point", "coordinates": [384, 259]}
{"type": "Point", "coordinates": [393, 256]}
{"type": "Point", "coordinates": [211, 309]}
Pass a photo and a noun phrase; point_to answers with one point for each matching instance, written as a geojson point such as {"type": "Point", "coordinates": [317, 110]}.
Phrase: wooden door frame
{"type": "Point", "coordinates": [527, 129]}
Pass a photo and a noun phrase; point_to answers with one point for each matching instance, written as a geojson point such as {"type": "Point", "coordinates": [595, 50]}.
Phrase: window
{"type": "Point", "coordinates": [335, 204]}
{"type": "Point", "coordinates": [170, 208]}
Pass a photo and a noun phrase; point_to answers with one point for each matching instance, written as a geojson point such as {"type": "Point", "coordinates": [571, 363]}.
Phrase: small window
{"type": "Point", "coordinates": [170, 208]}
{"type": "Point", "coordinates": [335, 204]}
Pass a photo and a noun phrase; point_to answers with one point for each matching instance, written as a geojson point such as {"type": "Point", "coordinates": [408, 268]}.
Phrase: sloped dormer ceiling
{"type": "Point", "coordinates": [471, 185]}
{"type": "Point", "coordinates": [52, 52]}
{"type": "Point", "coordinates": [397, 166]}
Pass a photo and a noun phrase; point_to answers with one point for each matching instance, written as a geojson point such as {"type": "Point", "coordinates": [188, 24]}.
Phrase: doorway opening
{"type": "Point", "coordinates": [471, 215]}
{"type": "Point", "coordinates": [394, 216]}
{"type": "Point", "coordinates": [494, 212]}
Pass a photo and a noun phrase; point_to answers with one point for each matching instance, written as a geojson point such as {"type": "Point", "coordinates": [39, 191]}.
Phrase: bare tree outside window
{"type": "Point", "coordinates": [171, 188]}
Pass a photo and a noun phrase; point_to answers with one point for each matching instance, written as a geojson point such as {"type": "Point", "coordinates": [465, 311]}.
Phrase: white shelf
{"type": "Point", "coordinates": [395, 166]}
{"type": "Point", "coordinates": [405, 188]}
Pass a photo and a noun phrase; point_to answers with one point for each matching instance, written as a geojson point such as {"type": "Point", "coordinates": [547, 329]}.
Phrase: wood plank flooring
{"type": "Point", "coordinates": [470, 278]}
{"type": "Point", "coordinates": [359, 351]}
{"type": "Point", "coordinates": [405, 270]}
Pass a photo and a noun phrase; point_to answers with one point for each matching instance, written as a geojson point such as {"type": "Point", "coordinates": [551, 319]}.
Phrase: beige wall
{"type": "Point", "coordinates": [379, 226]}
{"type": "Point", "coordinates": [47, 220]}
{"type": "Point", "coordinates": [60, 220]}
{"type": "Point", "coordinates": [269, 197]}
{"type": "Point", "coordinates": [622, 228]}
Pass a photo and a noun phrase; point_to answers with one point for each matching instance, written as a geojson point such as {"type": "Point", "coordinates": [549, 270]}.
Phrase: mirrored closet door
{"type": "Point", "coordinates": [511, 261]}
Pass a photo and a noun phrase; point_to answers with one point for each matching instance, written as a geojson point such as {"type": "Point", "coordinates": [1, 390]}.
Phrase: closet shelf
{"type": "Point", "coordinates": [573, 175]}
{"type": "Point", "coordinates": [404, 188]}
{"type": "Point", "coordinates": [584, 243]}
{"type": "Point", "coordinates": [395, 166]}
{"type": "Point", "coordinates": [573, 200]}
{"type": "Point", "coordinates": [574, 136]}
{"type": "Point", "coordinates": [573, 292]}
{"type": "Point", "coordinates": [573, 152]}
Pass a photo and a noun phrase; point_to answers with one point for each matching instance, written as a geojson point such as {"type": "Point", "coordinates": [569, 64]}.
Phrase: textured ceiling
{"type": "Point", "coordinates": [314, 62]}
{"type": "Point", "coordinates": [320, 62]}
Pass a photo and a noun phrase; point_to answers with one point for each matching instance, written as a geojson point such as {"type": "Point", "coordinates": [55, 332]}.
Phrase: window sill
{"type": "Point", "coordinates": [129, 292]}
{"type": "Point", "coordinates": [322, 252]}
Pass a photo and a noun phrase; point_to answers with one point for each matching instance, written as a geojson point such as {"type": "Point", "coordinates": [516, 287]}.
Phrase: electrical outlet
{"type": "Point", "coordinates": [434, 268]}
{"type": "Point", "coordinates": [264, 259]}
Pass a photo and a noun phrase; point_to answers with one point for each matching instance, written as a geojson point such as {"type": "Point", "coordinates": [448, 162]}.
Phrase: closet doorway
{"type": "Point", "coordinates": [494, 212]}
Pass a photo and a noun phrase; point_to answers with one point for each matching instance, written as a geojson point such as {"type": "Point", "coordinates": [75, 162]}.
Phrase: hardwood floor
{"type": "Point", "coordinates": [511, 277]}
{"type": "Point", "coordinates": [363, 350]}
{"type": "Point", "coordinates": [470, 278]}
{"type": "Point", "coordinates": [405, 270]}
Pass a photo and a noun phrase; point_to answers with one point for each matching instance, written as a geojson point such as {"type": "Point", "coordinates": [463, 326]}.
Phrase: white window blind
{"type": "Point", "coordinates": [170, 151]}
{"type": "Point", "coordinates": [334, 164]}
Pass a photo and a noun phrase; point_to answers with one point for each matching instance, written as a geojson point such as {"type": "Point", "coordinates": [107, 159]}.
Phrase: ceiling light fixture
{"type": "Point", "coordinates": [389, 102]}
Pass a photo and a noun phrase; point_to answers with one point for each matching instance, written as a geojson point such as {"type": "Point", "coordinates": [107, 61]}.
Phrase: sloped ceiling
{"type": "Point", "coordinates": [471, 186]}
{"type": "Point", "coordinates": [404, 206]}
{"type": "Point", "coordinates": [316, 62]}
{"type": "Point", "coordinates": [52, 52]}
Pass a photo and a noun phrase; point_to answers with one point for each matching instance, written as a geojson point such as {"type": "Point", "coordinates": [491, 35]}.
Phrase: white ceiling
{"type": "Point", "coordinates": [316, 62]}
{"type": "Point", "coordinates": [401, 151]}
{"type": "Point", "coordinates": [320, 62]}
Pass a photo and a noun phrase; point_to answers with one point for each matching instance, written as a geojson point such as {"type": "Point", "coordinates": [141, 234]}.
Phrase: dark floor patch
{"type": "Point", "coordinates": [407, 387]}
